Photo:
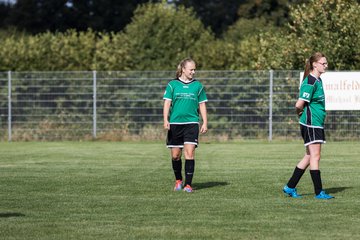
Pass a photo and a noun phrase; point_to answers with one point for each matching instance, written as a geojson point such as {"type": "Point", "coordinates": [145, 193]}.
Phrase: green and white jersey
{"type": "Point", "coordinates": [312, 92]}
{"type": "Point", "coordinates": [185, 99]}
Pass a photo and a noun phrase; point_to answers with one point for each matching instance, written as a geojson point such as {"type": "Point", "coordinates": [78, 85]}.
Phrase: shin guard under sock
{"type": "Point", "coordinates": [177, 165]}
{"type": "Point", "coordinates": [189, 171]}
{"type": "Point", "coordinates": [295, 178]}
{"type": "Point", "coordinates": [316, 178]}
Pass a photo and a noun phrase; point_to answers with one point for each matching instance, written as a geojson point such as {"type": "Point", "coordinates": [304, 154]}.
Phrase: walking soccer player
{"type": "Point", "coordinates": [310, 108]}
{"type": "Point", "coordinates": [184, 97]}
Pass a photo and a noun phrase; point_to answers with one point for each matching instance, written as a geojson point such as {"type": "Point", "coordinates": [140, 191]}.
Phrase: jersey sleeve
{"type": "Point", "coordinates": [168, 94]}
{"type": "Point", "coordinates": [202, 95]}
{"type": "Point", "coordinates": [306, 92]}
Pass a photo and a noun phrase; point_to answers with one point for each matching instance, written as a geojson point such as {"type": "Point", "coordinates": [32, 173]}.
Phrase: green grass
{"type": "Point", "coordinates": [116, 190]}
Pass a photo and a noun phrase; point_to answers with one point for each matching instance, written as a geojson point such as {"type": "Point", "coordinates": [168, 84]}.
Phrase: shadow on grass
{"type": "Point", "coordinates": [11, 214]}
{"type": "Point", "coordinates": [331, 190]}
{"type": "Point", "coordinates": [203, 185]}
{"type": "Point", "coordinates": [337, 189]}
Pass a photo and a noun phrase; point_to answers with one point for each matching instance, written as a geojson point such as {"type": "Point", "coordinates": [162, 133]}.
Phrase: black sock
{"type": "Point", "coordinates": [295, 178]}
{"type": "Point", "coordinates": [316, 178]}
{"type": "Point", "coordinates": [177, 164]}
{"type": "Point", "coordinates": [189, 170]}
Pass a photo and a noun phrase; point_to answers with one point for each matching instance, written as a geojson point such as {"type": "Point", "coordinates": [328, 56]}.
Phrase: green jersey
{"type": "Point", "coordinates": [312, 92]}
{"type": "Point", "coordinates": [185, 99]}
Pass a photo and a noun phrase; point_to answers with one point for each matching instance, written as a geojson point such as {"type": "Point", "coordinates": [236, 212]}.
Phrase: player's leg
{"type": "Point", "coordinates": [315, 156]}
{"type": "Point", "coordinates": [177, 167]}
{"type": "Point", "coordinates": [189, 153]}
{"type": "Point", "coordinates": [191, 135]}
{"type": "Point", "coordinates": [175, 143]}
{"type": "Point", "coordinates": [314, 166]}
{"type": "Point", "coordinates": [290, 188]}
{"type": "Point", "coordinates": [305, 161]}
{"type": "Point", "coordinates": [299, 170]}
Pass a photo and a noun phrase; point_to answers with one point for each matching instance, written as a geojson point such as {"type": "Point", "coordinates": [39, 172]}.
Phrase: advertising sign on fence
{"type": "Point", "coordinates": [342, 90]}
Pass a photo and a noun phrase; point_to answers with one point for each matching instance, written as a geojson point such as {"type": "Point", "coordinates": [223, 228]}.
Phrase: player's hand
{"type": "Point", "coordinates": [166, 125]}
{"type": "Point", "coordinates": [203, 128]}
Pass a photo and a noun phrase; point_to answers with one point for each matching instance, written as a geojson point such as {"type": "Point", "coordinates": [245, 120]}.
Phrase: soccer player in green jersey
{"type": "Point", "coordinates": [184, 97]}
{"type": "Point", "coordinates": [310, 108]}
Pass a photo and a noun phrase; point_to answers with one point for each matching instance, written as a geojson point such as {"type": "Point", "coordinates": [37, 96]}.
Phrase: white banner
{"type": "Point", "coordinates": [342, 90]}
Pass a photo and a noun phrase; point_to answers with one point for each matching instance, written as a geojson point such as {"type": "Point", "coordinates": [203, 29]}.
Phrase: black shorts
{"type": "Point", "coordinates": [312, 135]}
{"type": "Point", "coordinates": [180, 134]}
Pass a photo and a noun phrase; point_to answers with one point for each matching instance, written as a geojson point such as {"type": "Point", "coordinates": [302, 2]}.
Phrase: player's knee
{"type": "Point", "coordinates": [189, 156]}
{"type": "Point", "coordinates": [316, 156]}
{"type": "Point", "coordinates": [176, 156]}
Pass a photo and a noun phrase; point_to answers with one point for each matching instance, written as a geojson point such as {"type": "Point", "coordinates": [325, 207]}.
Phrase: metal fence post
{"type": "Point", "coordinates": [271, 79]}
{"type": "Point", "coordinates": [9, 106]}
{"type": "Point", "coordinates": [94, 104]}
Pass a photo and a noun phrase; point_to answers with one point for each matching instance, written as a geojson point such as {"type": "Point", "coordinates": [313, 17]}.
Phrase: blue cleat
{"type": "Point", "coordinates": [291, 192]}
{"type": "Point", "coordinates": [323, 195]}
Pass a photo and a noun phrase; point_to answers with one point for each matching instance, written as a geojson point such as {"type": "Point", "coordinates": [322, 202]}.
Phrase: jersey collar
{"type": "Point", "coordinates": [185, 82]}
{"type": "Point", "coordinates": [318, 79]}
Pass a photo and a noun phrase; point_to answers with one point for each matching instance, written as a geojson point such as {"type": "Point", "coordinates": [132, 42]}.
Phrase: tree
{"type": "Point", "coordinates": [219, 15]}
{"type": "Point", "coordinates": [246, 28]}
{"type": "Point", "coordinates": [102, 15]}
{"type": "Point", "coordinates": [329, 26]}
{"type": "Point", "coordinates": [5, 9]}
{"type": "Point", "coordinates": [67, 51]}
{"type": "Point", "coordinates": [216, 14]}
{"type": "Point", "coordinates": [160, 35]}
{"type": "Point", "coordinates": [36, 16]}
{"type": "Point", "coordinates": [274, 11]}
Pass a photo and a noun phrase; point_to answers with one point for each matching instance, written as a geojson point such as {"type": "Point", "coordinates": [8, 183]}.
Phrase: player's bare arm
{"type": "Point", "coordinates": [299, 107]}
{"type": "Point", "coordinates": [203, 112]}
{"type": "Point", "coordinates": [167, 104]}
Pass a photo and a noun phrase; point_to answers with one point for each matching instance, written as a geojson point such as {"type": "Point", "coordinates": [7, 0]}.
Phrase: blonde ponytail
{"type": "Point", "coordinates": [182, 65]}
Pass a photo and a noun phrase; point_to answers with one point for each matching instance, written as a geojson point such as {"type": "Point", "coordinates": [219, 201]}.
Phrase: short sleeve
{"type": "Point", "coordinates": [168, 94]}
{"type": "Point", "coordinates": [306, 92]}
{"type": "Point", "coordinates": [202, 95]}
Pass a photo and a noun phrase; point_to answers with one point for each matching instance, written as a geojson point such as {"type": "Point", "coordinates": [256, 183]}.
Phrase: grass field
{"type": "Point", "coordinates": [117, 190]}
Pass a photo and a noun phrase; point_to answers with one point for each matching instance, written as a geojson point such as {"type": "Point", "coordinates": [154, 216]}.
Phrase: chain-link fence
{"type": "Point", "coordinates": [128, 105]}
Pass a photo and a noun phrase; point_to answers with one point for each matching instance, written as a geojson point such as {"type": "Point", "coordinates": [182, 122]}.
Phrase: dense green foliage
{"type": "Point", "coordinates": [104, 190]}
{"type": "Point", "coordinates": [48, 52]}
{"type": "Point", "coordinates": [331, 26]}
{"type": "Point", "coordinates": [160, 34]}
